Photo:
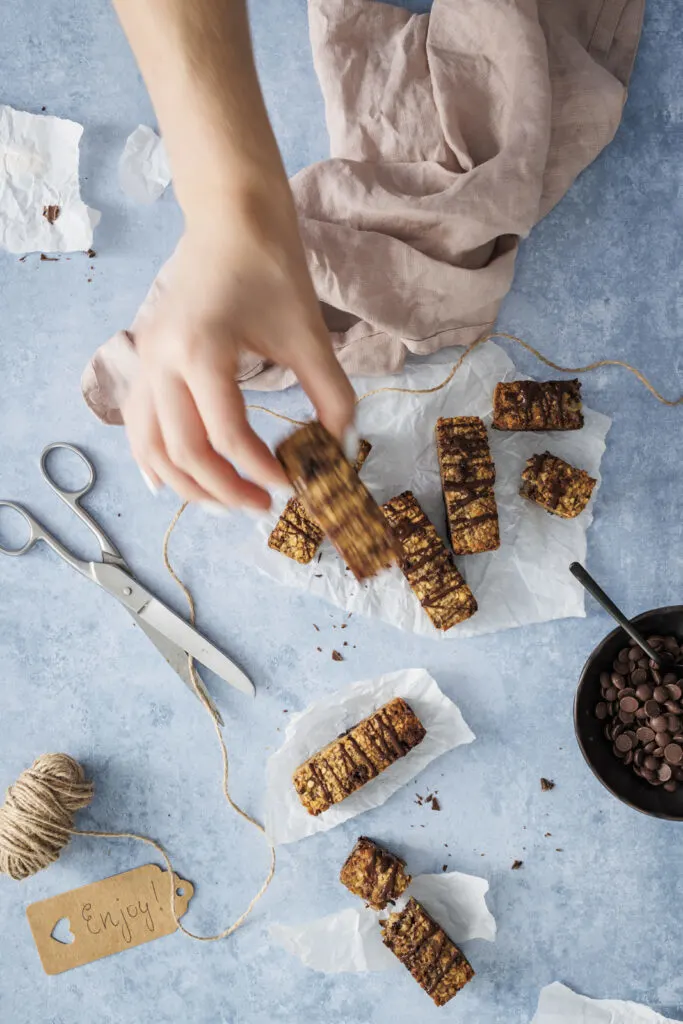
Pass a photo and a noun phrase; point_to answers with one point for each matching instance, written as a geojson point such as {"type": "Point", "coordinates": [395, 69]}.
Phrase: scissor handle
{"type": "Point", "coordinates": [73, 498]}
{"type": "Point", "coordinates": [38, 532]}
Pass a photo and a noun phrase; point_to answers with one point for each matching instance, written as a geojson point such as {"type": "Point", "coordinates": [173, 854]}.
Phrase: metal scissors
{"type": "Point", "coordinates": [172, 636]}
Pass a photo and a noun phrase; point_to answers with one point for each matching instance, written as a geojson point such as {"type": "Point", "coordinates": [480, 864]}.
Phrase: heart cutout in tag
{"type": "Point", "coordinates": [62, 932]}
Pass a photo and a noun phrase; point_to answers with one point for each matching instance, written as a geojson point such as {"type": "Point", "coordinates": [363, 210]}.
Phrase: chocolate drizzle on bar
{"type": "Point", "coordinates": [433, 959]}
{"type": "Point", "coordinates": [555, 485]}
{"type": "Point", "coordinates": [467, 478]}
{"type": "Point", "coordinates": [427, 564]}
{"type": "Point", "coordinates": [357, 756]}
{"type": "Point", "coordinates": [538, 405]}
{"type": "Point", "coordinates": [374, 874]}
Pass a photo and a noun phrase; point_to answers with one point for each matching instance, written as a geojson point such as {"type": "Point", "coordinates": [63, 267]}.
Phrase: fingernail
{"type": "Point", "coordinates": [150, 483]}
{"type": "Point", "coordinates": [351, 442]}
{"type": "Point", "coordinates": [214, 508]}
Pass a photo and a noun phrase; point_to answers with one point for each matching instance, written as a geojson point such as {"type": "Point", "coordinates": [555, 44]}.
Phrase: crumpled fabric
{"type": "Point", "coordinates": [451, 134]}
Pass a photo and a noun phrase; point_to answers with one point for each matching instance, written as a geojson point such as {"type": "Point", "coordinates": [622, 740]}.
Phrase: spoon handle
{"type": "Point", "coordinates": [589, 584]}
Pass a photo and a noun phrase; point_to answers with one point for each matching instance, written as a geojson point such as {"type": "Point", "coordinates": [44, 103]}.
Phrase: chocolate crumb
{"type": "Point", "coordinates": [51, 213]}
{"type": "Point", "coordinates": [320, 555]}
{"type": "Point", "coordinates": [91, 254]}
{"type": "Point", "coordinates": [316, 628]}
{"type": "Point", "coordinates": [436, 806]}
{"type": "Point", "coordinates": [22, 259]}
{"type": "Point", "coordinates": [548, 834]}
{"type": "Point", "coordinates": [90, 280]}
{"type": "Point", "coordinates": [284, 711]}
{"type": "Point", "coordinates": [43, 108]}
{"type": "Point", "coordinates": [319, 649]}
{"type": "Point", "coordinates": [547, 785]}
{"type": "Point", "coordinates": [343, 625]}
{"type": "Point", "coordinates": [48, 259]}
{"type": "Point", "coordinates": [516, 864]}
{"type": "Point", "coordinates": [318, 575]}
{"type": "Point", "coordinates": [558, 849]}
{"type": "Point", "coordinates": [444, 867]}
{"type": "Point", "coordinates": [336, 656]}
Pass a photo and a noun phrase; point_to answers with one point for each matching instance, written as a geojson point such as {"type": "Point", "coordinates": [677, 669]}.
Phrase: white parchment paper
{"type": "Point", "coordinates": [39, 168]}
{"type": "Point", "coordinates": [144, 170]}
{"type": "Point", "coordinates": [527, 579]}
{"type": "Point", "coordinates": [351, 939]}
{"type": "Point", "coordinates": [557, 1004]}
{"type": "Point", "coordinates": [286, 820]}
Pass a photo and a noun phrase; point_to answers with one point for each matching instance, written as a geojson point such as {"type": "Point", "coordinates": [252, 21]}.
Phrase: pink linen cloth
{"type": "Point", "coordinates": [451, 134]}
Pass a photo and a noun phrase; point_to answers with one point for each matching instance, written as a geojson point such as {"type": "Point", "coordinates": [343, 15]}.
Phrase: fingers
{"type": "Point", "coordinates": [190, 453]}
{"type": "Point", "coordinates": [219, 400]}
{"type": "Point", "coordinates": [325, 383]}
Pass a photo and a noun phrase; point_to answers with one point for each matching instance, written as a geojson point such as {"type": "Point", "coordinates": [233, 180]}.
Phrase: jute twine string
{"type": "Point", "coordinates": [37, 818]}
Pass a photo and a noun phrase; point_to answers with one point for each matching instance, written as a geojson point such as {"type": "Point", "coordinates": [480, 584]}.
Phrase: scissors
{"type": "Point", "coordinates": [175, 638]}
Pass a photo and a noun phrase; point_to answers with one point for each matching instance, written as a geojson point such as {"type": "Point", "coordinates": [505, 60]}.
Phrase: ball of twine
{"type": "Point", "coordinates": [37, 817]}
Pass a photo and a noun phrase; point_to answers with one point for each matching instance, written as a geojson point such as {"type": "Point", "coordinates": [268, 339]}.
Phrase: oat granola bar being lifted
{"type": "Point", "coordinates": [374, 874]}
{"type": "Point", "coordinates": [538, 405]}
{"type": "Point", "coordinates": [427, 564]}
{"type": "Point", "coordinates": [467, 478]}
{"type": "Point", "coordinates": [333, 494]}
{"type": "Point", "coordinates": [435, 962]}
{"type": "Point", "coordinates": [296, 534]}
{"type": "Point", "coordinates": [357, 756]}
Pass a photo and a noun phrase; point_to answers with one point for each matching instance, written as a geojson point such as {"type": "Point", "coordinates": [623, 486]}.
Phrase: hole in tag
{"type": "Point", "coordinates": [180, 891]}
{"type": "Point", "coordinates": [62, 932]}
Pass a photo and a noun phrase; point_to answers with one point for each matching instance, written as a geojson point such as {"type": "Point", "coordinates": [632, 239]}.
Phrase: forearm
{"type": "Point", "coordinates": [197, 62]}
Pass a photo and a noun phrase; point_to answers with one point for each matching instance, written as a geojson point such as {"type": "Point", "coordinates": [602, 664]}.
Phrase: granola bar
{"type": "Point", "coordinates": [435, 962]}
{"type": "Point", "coordinates": [357, 756]}
{"type": "Point", "coordinates": [296, 534]}
{"type": "Point", "coordinates": [536, 405]}
{"type": "Point", "coordinates": [374, 874]}
{"type": "Point", "coordinates": [467, 478]}
{"type": "Point", "coordinates": [556, 486]}
{"type": "Point", "coordinates": [427, 564]}
{"type": "Point", "coordinates": [339, 502]}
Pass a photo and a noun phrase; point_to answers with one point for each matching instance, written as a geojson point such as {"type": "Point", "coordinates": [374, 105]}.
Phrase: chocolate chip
{"type": "Point", "coordinates": [664, 773]}
{"type": "Point", "coordinates": [645, 734]}
{"type": "Point", "coordinates": [611, 693]}
{"type": "Point", "coordinates": [663, 739]}
{"type": "Point", "coordinates": [624, 654]}
{"type": "Point", "coordinates": [624, 742]}
{"type": "Point", "coordinates": [617, 680]}
{"type": "Point", "coordinates": [639, 679]}
{"type": "Point", "coordinates": [634, 653]}
{"type": "Point", "coordinates": [661, 694]}
{"type": "Point", "coordinates": [669, 679]}
{"type": "Point", "coordinates": [659, 723]}
{"type": "Point", "coordinates": [547, 785]}
{"type": "Point", "coordinates": [516, 864]}
{"type": "Point", "coordinates": [673, 707]}
{"type": "Point", "coordinates": [627, 717]}
{"type": "Point", "coordinates": [604, 679]}
{"type": "Point", "coordinates": [641, 714]}
{"type": "Point", "coordinates": [673, 753]}
{"type": "Point", "coordinates": [621, 668]}
{"type": "Point", "coordinates": [658, 752]}
{"type": "Point", "coordinates": [629, 704]}
{"type": "Point", "coordinates": [639, 758]}
{"type": "Point", "coordinates": [673, 723]}
{"type": "Point", "coordinates": [651, 763]}
{"type": "Point", "coordinates": [649, 747]}
{"type": "Point", "coordinates": [652, 708]}
{"type": "Point", "coordinates": [601, 710]}
{"type": "Point", "coordinates": [336, 656]}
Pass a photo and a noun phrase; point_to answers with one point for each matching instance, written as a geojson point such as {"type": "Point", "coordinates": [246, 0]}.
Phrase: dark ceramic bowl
{"type": "Point", "coordinates": [615, 776]}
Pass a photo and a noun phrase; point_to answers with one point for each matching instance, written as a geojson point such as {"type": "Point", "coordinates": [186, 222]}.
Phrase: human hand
{"type": "Point", "coordinates": [237, 282]}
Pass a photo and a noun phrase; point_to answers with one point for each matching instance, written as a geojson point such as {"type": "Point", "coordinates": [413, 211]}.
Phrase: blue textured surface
{"type": "Point", "coordinates": [600, 277]}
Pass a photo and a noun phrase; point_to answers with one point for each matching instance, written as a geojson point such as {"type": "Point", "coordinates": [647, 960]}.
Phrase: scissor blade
{"type": "Point", "coordinates": [177, 659]}
{"type": "Point", "coordinates": [170, 625]}
{"type": "Point", "coordinates": [149, 609]}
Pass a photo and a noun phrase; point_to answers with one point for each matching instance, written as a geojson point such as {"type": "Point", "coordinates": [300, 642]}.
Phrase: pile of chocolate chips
{"type": "Point", "coordinates": [643, 712]}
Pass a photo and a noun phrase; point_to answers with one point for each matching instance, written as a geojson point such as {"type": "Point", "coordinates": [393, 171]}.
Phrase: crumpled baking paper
{"type": "Point", "coordinates": [144, 171]}
{"type": "Point", "coordinates": [351, 940]}
{"type": "Point", "coordinates": [39, 169]}
{"type": "Point", "coordinates": [557, 1004]}
{"type": "Point", "coordinates": [527, 579]}
{"type": "Point", "coordinates": [286, 819]}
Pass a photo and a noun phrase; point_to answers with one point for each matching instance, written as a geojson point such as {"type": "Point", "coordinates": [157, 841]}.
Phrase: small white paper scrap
{"type": "Point", "coordinates": [557, 1004]}
{"type": "Point", "coordinates": [286, 819]}
{"type": "Point", "coordinates": [527, 579]}
{"type": "Point", "coordinates": [40, 201]}
{"type": "Point", "coordinates": [144, 171]}
{"type": "Point", "coordinates": [351, 939]}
